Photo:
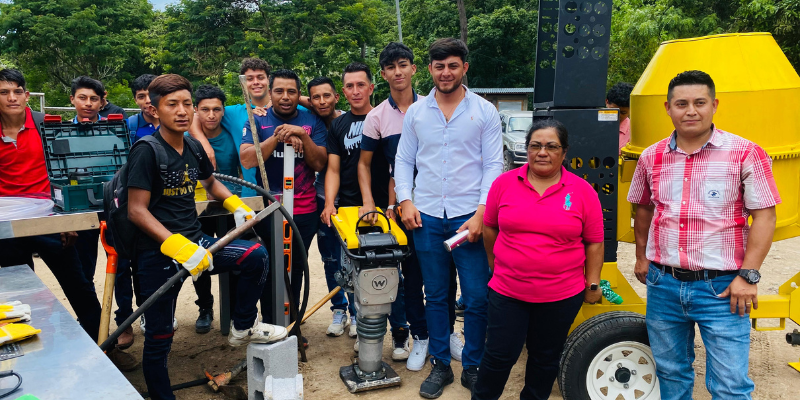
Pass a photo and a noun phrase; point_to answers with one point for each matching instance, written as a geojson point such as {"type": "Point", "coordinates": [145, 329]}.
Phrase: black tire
{"type": "Point", "coordinates": [508, 161]}
{"type": "Point", "coordinates": [617, 335]}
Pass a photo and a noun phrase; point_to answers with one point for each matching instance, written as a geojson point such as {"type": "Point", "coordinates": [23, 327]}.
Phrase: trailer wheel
{"type": "Point", "coordinates": [608, 357]}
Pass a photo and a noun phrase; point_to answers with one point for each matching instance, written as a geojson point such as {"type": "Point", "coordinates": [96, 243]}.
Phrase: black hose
{"type": "Point", "coordinates": [183, 273]}
{"type": "Point", "coordinates": [301, 310]}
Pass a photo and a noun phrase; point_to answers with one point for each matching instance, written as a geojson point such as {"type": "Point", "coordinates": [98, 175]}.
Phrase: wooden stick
{"type": "Point", "coordinates": [316, 306]}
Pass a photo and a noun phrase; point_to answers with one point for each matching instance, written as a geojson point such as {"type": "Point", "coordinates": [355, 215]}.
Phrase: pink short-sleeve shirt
{"type": "Point", "coordinates": [540, 251]}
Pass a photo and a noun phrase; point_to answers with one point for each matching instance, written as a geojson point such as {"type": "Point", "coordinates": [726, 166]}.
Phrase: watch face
{"type": "Point", "coordinates": [753, 276]}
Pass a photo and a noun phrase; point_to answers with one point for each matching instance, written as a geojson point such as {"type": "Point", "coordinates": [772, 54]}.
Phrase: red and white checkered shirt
{"type": "Point", "coordinates": [702, 200]}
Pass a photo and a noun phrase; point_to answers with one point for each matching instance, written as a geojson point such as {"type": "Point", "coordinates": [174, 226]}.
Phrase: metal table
{"type": "Point", "coordinates": [61, 362]}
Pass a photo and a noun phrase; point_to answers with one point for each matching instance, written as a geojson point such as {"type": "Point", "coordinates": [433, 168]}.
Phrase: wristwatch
{"type": "Point", "coordinates": [390, 208]}
{"type": "Point", "coordinates": [593, 287]}
{"type": "Point", "coordinates": [751, 276]}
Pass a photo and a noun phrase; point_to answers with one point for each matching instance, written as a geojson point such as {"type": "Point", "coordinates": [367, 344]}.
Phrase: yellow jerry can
{"type": "Point", "coordinates": [759, 99]}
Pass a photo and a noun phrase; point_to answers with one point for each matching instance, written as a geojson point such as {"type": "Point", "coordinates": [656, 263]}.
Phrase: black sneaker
{"type": "Point", "coordinates": [203, 324]}
{"type": "Point", "coordinates": [440, 376]}
{"type": "Point", "coordinates": [400, 344]}
{"type": "Point", "coordinates": [469, 376]}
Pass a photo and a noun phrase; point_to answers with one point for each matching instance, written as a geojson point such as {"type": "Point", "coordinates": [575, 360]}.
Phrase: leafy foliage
{"type": "Point", "coordinates": [53, 41]}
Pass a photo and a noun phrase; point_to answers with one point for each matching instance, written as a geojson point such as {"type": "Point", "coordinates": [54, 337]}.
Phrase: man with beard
{"type": "Point", "coordinates": [453, 139]}
{"type": "Point", "coordinates": [285, 124]}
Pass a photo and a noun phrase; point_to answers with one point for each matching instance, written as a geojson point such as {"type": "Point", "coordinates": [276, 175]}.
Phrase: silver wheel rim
{"type": "Point", "coordinates": [625, 369]}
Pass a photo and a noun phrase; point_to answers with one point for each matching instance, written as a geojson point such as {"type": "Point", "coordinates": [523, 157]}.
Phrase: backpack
{"type": "Point", "coordinates": [124, 234]}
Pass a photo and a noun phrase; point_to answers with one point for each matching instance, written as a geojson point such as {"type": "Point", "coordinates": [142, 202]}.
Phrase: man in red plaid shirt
{"type": "Point", "coordinates": [694, 249]}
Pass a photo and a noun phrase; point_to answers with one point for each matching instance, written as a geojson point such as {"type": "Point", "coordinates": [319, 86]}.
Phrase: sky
{"type": "Point", "coordinates": [160, 4]}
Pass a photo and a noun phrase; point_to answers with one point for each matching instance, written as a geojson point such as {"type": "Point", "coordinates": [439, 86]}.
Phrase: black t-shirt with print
{"type": "Point", "coordinates": [174, 207]}
{"type": "Point", "coordinates": [344, 140]}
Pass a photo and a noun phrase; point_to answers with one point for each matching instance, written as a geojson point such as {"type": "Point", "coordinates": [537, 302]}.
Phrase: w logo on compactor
{"type": "Point", "coordinates": [379, 282]}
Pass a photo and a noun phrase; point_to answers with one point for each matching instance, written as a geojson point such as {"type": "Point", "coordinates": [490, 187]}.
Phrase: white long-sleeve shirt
{"type": "Point", "coordinates": [457, 161]}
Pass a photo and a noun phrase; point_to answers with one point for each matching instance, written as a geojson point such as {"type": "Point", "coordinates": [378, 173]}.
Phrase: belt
{"type": "Point", "coordinates": [687, 275]}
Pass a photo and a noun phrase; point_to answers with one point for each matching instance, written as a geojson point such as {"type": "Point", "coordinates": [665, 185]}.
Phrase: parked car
{"type": "Point", "coordinates": [514, 126]}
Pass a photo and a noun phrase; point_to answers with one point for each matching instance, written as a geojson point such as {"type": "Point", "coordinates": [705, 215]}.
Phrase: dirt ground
{"type": "Point", "coordinates": [192, 352]}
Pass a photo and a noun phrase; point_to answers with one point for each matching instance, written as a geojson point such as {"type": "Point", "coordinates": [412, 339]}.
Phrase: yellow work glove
{"type": "Point", "coordinates": [241, 212]}
{"type": "Point", "coordinates": [15, 332]}
{"type": "Point", "coordinates": [16, 310]}
{"type": "Point", "coordinates": [190, 255]}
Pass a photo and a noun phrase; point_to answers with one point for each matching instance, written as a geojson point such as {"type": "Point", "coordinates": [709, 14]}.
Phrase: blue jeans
{"type": "Point", "coordinates": [331, 251]}
{"type": "Point", "coordinates": [247, 259]}
{"type": "Point", "coordinates": [473, 274]}
{"type": "Point", "coordinates": [673, 308]}
{"type": "Point", "coordinates": [412, 295]}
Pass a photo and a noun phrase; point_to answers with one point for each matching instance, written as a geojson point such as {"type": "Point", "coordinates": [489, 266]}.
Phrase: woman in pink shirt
{"type": "Point", "coordinates": [543, 232]}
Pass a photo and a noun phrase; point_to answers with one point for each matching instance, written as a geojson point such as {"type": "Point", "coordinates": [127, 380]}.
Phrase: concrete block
{"type": "Point", "coordinates": [284, 389]}
{"type": "Point", "coordinates": [276, 360]}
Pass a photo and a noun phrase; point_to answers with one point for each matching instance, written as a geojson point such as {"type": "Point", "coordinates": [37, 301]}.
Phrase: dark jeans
{"type": "Point", "coordinates": [126, 284]}
{"type": "Point", "coordinates": [412, 286]}
{"type": "Point", "coordinates": [437, 272]}
{"type": "Point", "coordinates": [331, 251]}
{"type": "Point", "coordinates": [248, 259]}
{"type": "Point", "coordinates": [513, 323]}
{"type": "Point", "coordinates": [65, 266]}
{"type": "Point", "coordinates": [87, 251]}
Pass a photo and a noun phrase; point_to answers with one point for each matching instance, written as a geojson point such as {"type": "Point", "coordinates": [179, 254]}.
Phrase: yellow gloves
{"type": "Point", "coordinates": [241, 212]}
{"type": "Point", "coordinates": [15, 310]}
{"type": "Point", "coordinates": [15, 332]}
{"type": "Point", "coordinates": [192, 256]}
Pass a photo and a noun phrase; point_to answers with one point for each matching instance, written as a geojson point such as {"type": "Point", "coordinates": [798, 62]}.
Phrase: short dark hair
{"type": "Point", "coordinates": [320, 80]}
{"type": "Point", "coordinates": [284, 74]}
{"type": "Point", "coordinates": [167, 84]}
{"type": "Point", "coordinates": [84, 82]}
{"type": "Point", "coordinates": [204, 92]}
{"type": "Point", "coordinates": [446, 47]}
{"type": "Point", "coordinates": [256, 64]}
{"type": "Point", "coordinates": [561, 131]}
{"type": "Point", "coordinates": [693, 77]}
{"type": "Point", "coordinates": [12, 75]}
{"type": "Point", "coordinates": [395, 51]}
{"type": "Point", "coordinates": [141, 83]}
{"type": "Point", "coordinates": [620, 94]}
{"type": "Point", "coordinates": [356, 67]}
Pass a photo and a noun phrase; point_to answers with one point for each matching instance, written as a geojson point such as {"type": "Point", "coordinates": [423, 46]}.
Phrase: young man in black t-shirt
{"type": "Point", "coordinates": [344, 151]}
{"type": "Point", "coordinates": [164, 210]}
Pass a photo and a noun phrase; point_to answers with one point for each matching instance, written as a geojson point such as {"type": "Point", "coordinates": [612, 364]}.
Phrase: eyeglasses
{"type": "Point", "coordinates": [551, 148]}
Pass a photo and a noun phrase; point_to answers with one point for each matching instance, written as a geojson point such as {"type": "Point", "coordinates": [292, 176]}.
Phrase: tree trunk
{"type": "Point", "coordinates": [462, 20]}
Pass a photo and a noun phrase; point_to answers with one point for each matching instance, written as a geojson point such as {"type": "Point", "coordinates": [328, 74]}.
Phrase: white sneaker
{"type": "Point", "coordinates": [340, 322]}
{"type": "Point", "coordinates": [353, 331]}
{"type": "Point", "coordinates": [174, 324]}
{"type": "Point", "coordinates": [418, 356]}
{"type": "Point", "coordinates": [400, 345]}
{"type": "Point", "coordinates": [355, 346]}
{"type": "Point", "coordinates": [456, 347]}
{"type": "Point", "coordinates": [259, 333]}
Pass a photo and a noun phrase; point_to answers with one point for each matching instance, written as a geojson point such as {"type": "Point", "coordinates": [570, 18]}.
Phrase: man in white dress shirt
{"type": "Point", "coordinates": [453, 139]}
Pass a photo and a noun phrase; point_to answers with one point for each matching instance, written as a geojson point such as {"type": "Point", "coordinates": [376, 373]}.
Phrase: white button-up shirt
{"type": "Point", "coordinates": [456, 160]}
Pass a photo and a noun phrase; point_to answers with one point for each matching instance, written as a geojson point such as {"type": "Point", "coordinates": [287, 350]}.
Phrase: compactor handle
{"type": "Point", "coordinates": [389, 224]}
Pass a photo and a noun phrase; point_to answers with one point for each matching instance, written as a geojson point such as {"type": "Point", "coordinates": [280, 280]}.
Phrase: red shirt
{"type": "Point", "coordinates": [702, 200]}
{"type": "Point", "coordinates": [540, 253]}
{"type": "Point", "coordinates": [22, 166]}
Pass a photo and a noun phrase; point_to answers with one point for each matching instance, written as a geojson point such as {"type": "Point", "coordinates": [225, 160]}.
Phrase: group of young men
{"type": "Point", "coordinates": [428, 162]}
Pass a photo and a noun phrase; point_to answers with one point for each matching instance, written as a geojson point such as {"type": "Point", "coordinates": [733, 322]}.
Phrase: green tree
{"type": "Point", "coordinates": [65, 39]}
